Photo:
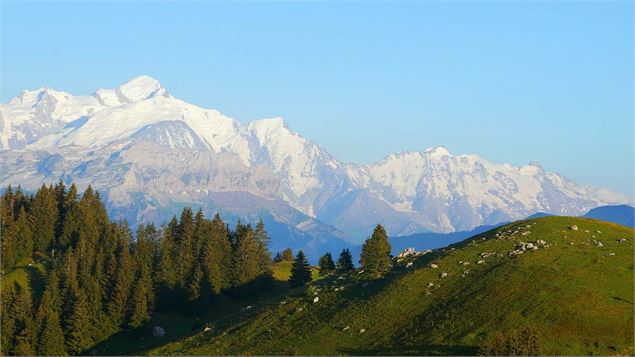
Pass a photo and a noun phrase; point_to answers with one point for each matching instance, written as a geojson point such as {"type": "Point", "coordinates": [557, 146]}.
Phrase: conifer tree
{"type": "Point", "coordinates": [22, 311]}
{"type": "Point", "coordinates": [300, 271]}
{"type": "Point", "coordinates": [44, 218]}
{"type": "Point", "coordinates": [7, 322]}
{"type": "Point", "coordinates": [121, 285]}
{"type": "Point", "coordinates": [327, 266]}
{"type": "Point", "coordinates": [78, 333]}
{"type": "Point", "coordinates": [50, 341]}
{"type": "Point", "coordinates": [287, 255]}
{"type": "Point", "coordinates": [345, 262]}
{"type": "Point", "coordinates": [246, 262]}
{"type": "Point", "coordinates": [375, 257]}
{"type": "Point", "coordinates": [264, 256]}
{"type": "Point", "coordinates": [141, 299]}
{"type": "Point", "coordinates": [22, 236]}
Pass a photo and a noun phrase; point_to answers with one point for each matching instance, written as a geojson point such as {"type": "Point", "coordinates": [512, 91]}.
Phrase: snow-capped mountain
{"type": "Point", "coordinates": [151, 153]}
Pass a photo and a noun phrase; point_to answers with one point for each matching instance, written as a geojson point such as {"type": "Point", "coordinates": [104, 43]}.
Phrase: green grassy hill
{"type": "Point", "coordinates": [179, 326]}
{"type": "Point", "coordinates": [576, 290]}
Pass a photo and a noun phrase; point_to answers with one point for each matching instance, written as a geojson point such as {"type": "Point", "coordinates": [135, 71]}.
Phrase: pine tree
{"type": "Point", "coordinates": [44, 216]}
{"type": "Point", "coordinates": [7, 330]}
{"type": "Point", "coordinates": [141, 299]}
{"type": "Point", "coordinates": [264, 256]}
{"type": "Point", "coordinates": [78, 334]}
{"type": "Point", "coordinates": [120, 291]}
{"type": "Point", "coordinates": [375, 257]}
{"type": "Point", "coordinates": [287, 255]}
{"type": "Point", "coordinates": [22, 311]}
{"type": "Point", "coordinates": [245, 262]}
{"type": "Point", "coordinates": [22, 236]}
{"type": "Point", "coordinates": [345, 262]}
{"type": "Point", "coordinates": [300, 271]}
{"type": "Point", "coordinates": [50, 340]}
{"type": "Point", "coordinates": [327, 266]}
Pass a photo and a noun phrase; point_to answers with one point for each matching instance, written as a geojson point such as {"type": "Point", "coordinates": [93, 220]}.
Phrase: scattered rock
{"type": "Point", "coordinates": [598, 232]}
{"type": "Point", "coordinates": [443, 275]}
{"type": "Point", "coordinates": [299, 309]}
{"type": "Point", "coordinates": [407, 252]}
{"type": "Point", "coordinates": [480, 262]}
{"type": "Point", "coordinates": [158, 331]}
{"type": "Point", "coordinates": [362, 330]}
{"type": "Point", "coordinates": [466, 263]}
{"type": "Point", "coordinates": [430, 285]}
{"type": "Point", "coordinates": [361, 271]}
{"type": "Point", "coordinates": [316, 299]}
{"type": "Point", "coordinates": [599, 244]}
{"type": "Point", "coordinates": [622, 240]}
{"type": "Point", "coordinates": [409, 265]}
{"type": "Point", "coordinates": [346, 328]}
{"type": "Point", "coordinates": [526, 233]}
{"type": "Point", "coordinates": [573, 228]}
{"type": "Point", "coordinates": [610, 254]}
{"type": "Point", "coordinates": [207, 328]}
{"type": "Point", "coordinates": [433, 266]}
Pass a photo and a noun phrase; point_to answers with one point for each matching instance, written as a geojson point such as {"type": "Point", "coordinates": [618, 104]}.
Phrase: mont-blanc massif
{"type": "Point", "coordinates": [316, 178]}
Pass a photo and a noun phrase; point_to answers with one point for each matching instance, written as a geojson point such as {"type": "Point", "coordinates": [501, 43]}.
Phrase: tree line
{"type": "Point", "coordinates": [100, 278]}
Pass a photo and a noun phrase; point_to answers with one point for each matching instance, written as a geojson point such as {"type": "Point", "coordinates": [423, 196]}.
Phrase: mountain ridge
{"type": "Point", "coordinates": [143, 148]}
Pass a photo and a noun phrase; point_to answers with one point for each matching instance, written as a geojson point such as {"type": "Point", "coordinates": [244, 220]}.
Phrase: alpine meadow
{"type": "Point", "coordinates": [137, 220]}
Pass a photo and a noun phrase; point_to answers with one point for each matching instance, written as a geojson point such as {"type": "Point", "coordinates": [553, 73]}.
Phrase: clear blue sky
{"type": "Point", "coordinates": [509, 81]}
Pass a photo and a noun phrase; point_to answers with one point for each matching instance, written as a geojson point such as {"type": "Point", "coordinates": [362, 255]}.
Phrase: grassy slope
{"type": "Point", "coordinates": [29, 273]}
{"type": "Point", "coordinates": [178, 326]}
{"type": "Point", "coordinates": [580, 300]}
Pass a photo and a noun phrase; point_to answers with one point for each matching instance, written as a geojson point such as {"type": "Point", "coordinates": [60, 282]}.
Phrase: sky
{"type": "Point", "coordinates": [509, 81]}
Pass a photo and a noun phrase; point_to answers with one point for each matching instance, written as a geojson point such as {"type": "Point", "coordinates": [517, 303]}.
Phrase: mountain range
{"type": "Point", "coordinates": [149, 154]}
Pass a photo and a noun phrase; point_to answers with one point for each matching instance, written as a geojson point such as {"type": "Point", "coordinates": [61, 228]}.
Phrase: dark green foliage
{"type": "Point", "coordinates": [345, 262]}
{"type": "Point", "coordinates": [50, 340]}
{"type": "Point", "coordinates": [327, 266]}
{"type": "Point", "coordinates": [97, 280]}
{"type": "Point", "coordinates": [264, 256]}
{"type": "Point", "coordinates": [44, 213]}
{"type": "Point", "coordinates": [78, 325]}
{"type": "Point", "coordinates": [24, 327]}
{"type": "Point", "coordinates": [246, 260]}
{"type": "Point", "coordinates": [300, 271]}
{"type": "Point", "coordinates": [375, 256]}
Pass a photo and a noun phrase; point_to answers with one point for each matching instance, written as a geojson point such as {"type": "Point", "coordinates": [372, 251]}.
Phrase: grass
{"type": "Point", "coordinates": [282, 271]}
{"type": "Point", "coordinates": [179, 326]}
{"type": "Point", "coordinates": [30, 273]}
{"type": "Point", "coordinates": [578, 296]}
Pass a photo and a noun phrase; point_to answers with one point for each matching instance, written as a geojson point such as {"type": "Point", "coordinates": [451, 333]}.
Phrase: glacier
{"type": "Point", "coordinates": [150, 154]}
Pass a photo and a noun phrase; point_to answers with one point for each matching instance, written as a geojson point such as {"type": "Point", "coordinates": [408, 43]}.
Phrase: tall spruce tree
{"type": "Point", "coordinates": [327, 266]}
{"type": "Point", "coordinates": [264, 256]}
{"type": "Point", "coordinates": [246, 258]}
{"type": "Point", "coordinates": [375, 257]}
{"type": "Point", "coordinates": [7, 322]}
{"type": "Point", "coordinates": [345, 262]}
{"type": "Point", "coordinates": [25, 332]}
{"type": "Point", "coordinates": [300, 271]}
{"type": "Point", "coordinates": [78, 326]}
{"type": "Point", "coordinates": [44, 218]}
{"type": "Point", "coordinates": [22, 236]}
{"type": "Point", "coordinates": [50, 340]}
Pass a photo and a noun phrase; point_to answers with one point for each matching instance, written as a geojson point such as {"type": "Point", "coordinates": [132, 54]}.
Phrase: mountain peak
{"type": "Point", "coordinates": [140, 88]}
{"type": "Point", "coordinates": [438, 151]}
